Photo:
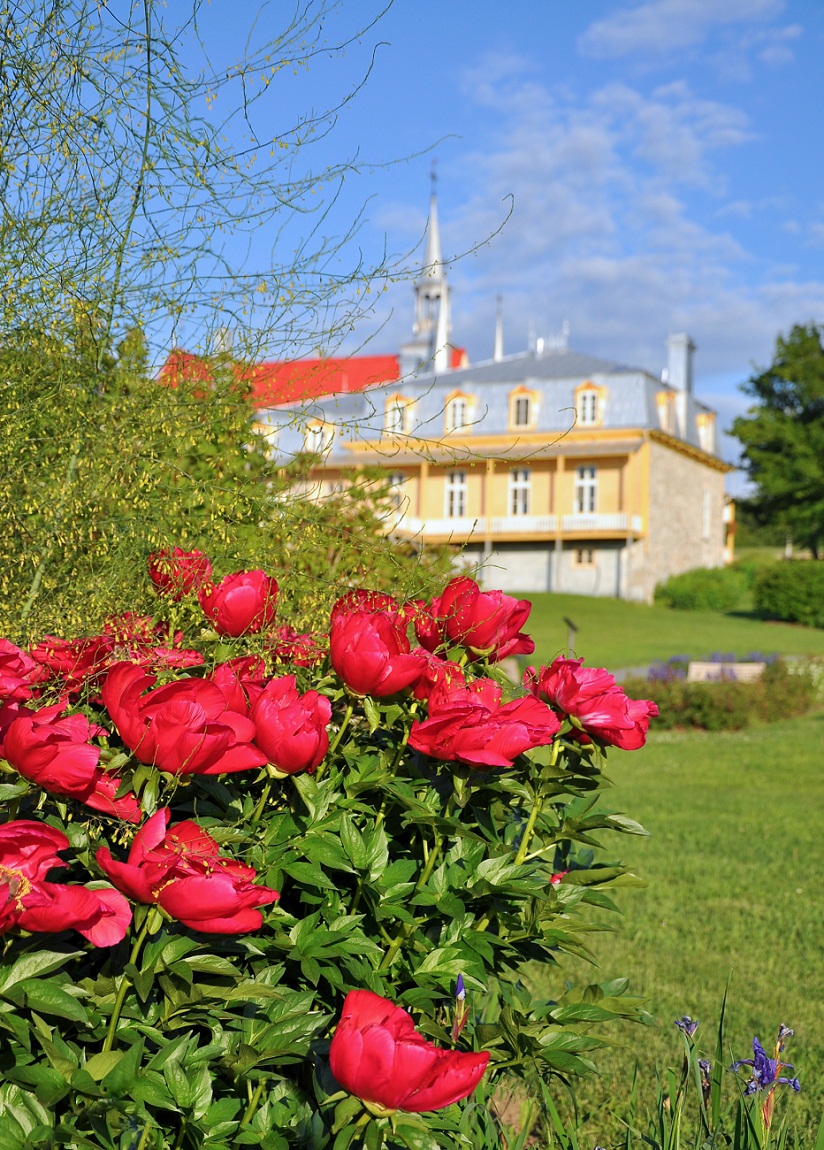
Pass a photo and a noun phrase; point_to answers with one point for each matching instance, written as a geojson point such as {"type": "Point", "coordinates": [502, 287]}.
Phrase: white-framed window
{"type": "Point", "coordinates": [520, 483]}
{"type": "Point", "coordinates": [665, 411]}
{"type": "Point", "coordinates": [586, 489]}
{"type": "Point", "coordinates": [396, 415]}
{"type": "Point", "coordinates": [706, 433]}
{"type": "Point", "coordinates": [583, 557]}
{"type": "Point", "coordinates": [457, 414]}
{"type": "Point", "coordinates": [396, 492]}
{"type": "Point", "coordinates": [456, 495]}
{"type": "Point", "coordinates": [522, 411]}
{"type": "Point", "coordinates": [706, 514]}
{"type": "Point", "coordinates": [588, 406]}
{"type": "Point", "coordinates": [318, 438]}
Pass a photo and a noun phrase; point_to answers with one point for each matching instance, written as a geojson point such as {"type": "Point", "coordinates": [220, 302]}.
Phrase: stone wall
{"type": "Point", "coordinates": [676, 539]}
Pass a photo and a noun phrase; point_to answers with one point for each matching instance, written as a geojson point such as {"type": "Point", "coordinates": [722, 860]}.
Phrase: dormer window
{"type": "Point", "coordinates": [459, 412]}
{"type": "Point", "coordinates": [589, 405]}
{"type": "Point", "coordinates": [523, 409]}
{"type": "Point", "coordinates": [318, 438]}
{"type": "Point", "coordinates": [666, 411]}
{"type": "Point", "coordinates": [397, 414]}
{"type": "Point", "coordinates": [706, 432]}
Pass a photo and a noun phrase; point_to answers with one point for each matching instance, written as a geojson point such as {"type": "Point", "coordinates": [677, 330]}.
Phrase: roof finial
{"type": "Point", "coordinates": [433, 176]}
{"type": "Point", "coordinates": [498, 346]}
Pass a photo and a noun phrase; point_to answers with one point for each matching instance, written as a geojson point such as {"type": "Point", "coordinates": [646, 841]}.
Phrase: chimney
{"type": "Point", "coordinates": [679, 376]}
{"type": "Point", "coordinates": [679, 362]}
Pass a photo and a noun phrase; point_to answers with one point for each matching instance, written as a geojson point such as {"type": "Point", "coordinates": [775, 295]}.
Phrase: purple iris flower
{"type": "Point", "coordinates": [687, 1024]}
{"type": "Point", "coordinates": [765, 1071]}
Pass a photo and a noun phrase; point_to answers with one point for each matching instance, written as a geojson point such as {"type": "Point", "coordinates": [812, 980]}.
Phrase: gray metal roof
{"type": "Point", "coordinates": [630, 403]}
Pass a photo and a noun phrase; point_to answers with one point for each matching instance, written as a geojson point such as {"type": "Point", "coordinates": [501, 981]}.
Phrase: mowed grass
{"type": "Point", "coordinates": [615, 634]}
{"type": "Point", "coordinates": [735, 872]}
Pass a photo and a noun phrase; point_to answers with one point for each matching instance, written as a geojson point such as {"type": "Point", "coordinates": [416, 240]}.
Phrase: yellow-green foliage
{"type": "Point", "coordinates": [103, 467]}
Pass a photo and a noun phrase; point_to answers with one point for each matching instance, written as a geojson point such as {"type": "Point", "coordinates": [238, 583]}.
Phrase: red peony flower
{"type": "Point", "coordinates": [485, 622]}
{"type": "Point", "coordinates": [8, 713]}
{"type": "Point", "coordinates": [359, 600]}
{"type": "Point", "coordinates": [184, 728]}
{"type": "Point", "coordinates": [301, 649]}
{"type": "Point", "coordinates": [140, 640]}
{"type": "Point", "coordinates": [370, 653]}
{"type": "Point", "coordinates": [592, 697]}
{"type": "Point", "coordinates": [28, 851]}
{"type": "Point", "coordinates": [74, 662]}
{"type": "Point", "coordinates": [19, 673]}
{"type": "Point", "coordinates": [56, 754]}
{"type": "Point", "coordinates": [241, 604]}
{"type": "Point", "coordinates": [175, 572]}
{"type": "Point", "coordinates": [241, 681]}
{"type": "Point", "coordinates": [291, 728]}
{"type": "Point", "coordinates": [438, 673]}
{"type": "Point", "coordinates": [378, 1055]}
{"type": "Point", "coordinates": [469, 725]}
{"type": "Point", "coordinates": [181, 869]}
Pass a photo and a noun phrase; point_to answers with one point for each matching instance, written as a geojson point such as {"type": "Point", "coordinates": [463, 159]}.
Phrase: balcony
{"type": "Point", "coordinates": [466, 527]}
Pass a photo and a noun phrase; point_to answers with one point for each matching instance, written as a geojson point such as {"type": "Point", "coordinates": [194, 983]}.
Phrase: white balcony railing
{"type": "Point", "coordinates": [465, 526]}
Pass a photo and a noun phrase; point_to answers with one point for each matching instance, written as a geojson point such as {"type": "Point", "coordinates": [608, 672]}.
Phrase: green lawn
{"type": "Point", "coordinates": [735, 870]}
{"type": "Point", "coordinates": [613, 633]}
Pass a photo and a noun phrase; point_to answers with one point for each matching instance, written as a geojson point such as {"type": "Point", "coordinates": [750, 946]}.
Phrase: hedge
{"type": "Point", "coordinates": [703, 589]}
{"type": "Point", "coordinates": [792, 590]}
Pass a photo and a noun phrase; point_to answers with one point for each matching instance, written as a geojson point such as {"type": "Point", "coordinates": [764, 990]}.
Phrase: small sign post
{"type": "Point", "coordinates": [571, 632]}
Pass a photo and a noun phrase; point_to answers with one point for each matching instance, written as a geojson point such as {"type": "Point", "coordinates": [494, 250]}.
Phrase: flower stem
{"type": "Point", "coordinates": [381, 815]}
{"type": "Point", "coordinates": [423, 878]}
{"type": "Point", "coordinates": [125, 983]}
{"type": "Point", "coordinates": [523, 850]}
{"type": "Point", "coordinates": [254, 1102]}
{"type": "Point", "coordinates": [333, 746]}
{"type": "Point", "coordinates": [144, 1136]}
{"type": "Point", "coordinates": [262, 801]}
{"type": "Point", "coordinates": [526, 838]}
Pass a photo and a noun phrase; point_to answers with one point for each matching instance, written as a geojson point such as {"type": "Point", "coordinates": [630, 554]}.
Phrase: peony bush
{"type": "Point", "coordinates": [305, 877]}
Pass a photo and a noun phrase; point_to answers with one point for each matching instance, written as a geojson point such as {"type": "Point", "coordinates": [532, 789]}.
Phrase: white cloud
{"type": "Point", "coordinates": [619, 224]}
{"type": "Point", "coordinates": [664, 26]}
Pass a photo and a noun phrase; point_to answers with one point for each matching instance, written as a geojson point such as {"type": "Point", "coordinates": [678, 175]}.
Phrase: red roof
{"type": "Point", "coordinates": [274, 384]}
{"type": "Point", "coordinates": [277, 383]}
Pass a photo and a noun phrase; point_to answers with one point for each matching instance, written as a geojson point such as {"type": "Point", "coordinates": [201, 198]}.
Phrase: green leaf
{"type": "Point", "coordinates": [35, 964]}
{"type": "Point", "coordinates": [311, 875]}
{"type": "Point", "coordinates": [373, 713]}
{"type": "Point", "coordinates": [45, 997]}
{"type": "Point", "coordinates": [178, 1083]}
{"type": "Point", "coordinates": [12, 791]}
{"type": "Point", "coordinates": [48, 1084]}
{"type": "Point", "coordinates": [122, 1076]}
{"type": "Point", "coordinates": [99, 1065]}
{"type": "Point", "coordinates": [353, 843]}
{"type": "Point", "coordinates": [628, 826]}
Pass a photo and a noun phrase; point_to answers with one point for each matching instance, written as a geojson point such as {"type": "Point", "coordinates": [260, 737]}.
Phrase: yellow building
{"type": "Point", "coordinates": [553, 470]}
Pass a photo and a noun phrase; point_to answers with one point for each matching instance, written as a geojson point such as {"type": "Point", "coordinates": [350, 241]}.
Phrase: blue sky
{"type": "Point", "coordinates": [634, 168]}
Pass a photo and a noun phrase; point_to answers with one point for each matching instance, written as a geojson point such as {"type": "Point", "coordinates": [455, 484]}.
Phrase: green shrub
{"type": "Point", "coordinates": [792, 591]}
{"type": "Point", "coordinates": [726, 704]}
{"type": "Point", "coordinates": [703, 589]}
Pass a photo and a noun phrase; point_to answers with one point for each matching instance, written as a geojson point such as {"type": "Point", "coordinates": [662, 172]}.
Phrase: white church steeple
{"type": "Point", "coordinates": [431, 329]}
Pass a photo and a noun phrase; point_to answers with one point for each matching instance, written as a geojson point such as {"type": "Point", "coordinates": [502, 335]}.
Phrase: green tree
{"type": "Point", "coordinates": [134, 155]}
{"type": "Point", "coordinates": [783, 438]}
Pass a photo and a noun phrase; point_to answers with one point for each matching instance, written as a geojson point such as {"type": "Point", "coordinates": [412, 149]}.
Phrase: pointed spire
{"type": "Point", "coordinates": [498, 346]}
{"type": "Point", "coordinates": [440, 359]}
{"type": "Point", "coordinates": [432, 325]}
{"type": "Point", "coordinates": [433, 269]}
